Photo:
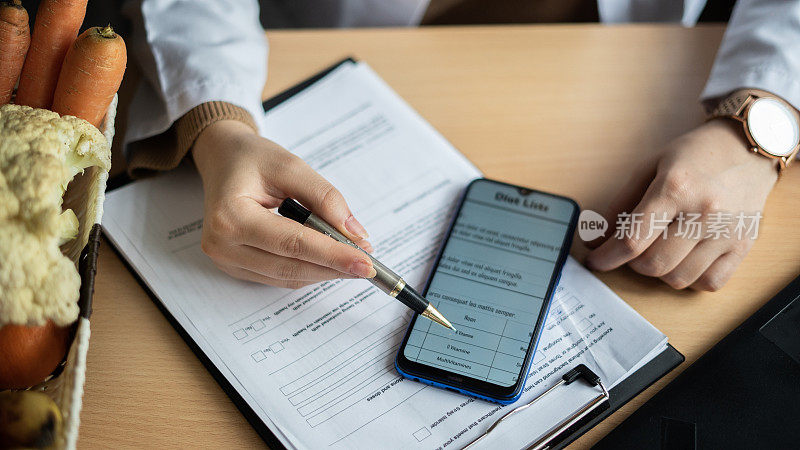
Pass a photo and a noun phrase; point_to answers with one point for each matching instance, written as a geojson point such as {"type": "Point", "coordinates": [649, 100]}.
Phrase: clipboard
{"type": "Point", "coordinates": [572, 430]}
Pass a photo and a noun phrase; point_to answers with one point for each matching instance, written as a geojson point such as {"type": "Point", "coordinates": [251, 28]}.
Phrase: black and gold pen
{"type": "Point", "coordinates": [385, 279]}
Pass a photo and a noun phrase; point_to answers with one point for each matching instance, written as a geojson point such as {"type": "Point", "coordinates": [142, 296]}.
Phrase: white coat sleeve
{"type": "Point", "coordinates": [760, 49]}
{"type": "Point", "coordinates": [192, 52]}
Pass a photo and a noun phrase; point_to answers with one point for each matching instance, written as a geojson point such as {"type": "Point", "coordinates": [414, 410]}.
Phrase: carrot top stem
{"type": "Point", "coordinates": [107, 32]}
{"type": "Point", "coordinates": [14, 3]}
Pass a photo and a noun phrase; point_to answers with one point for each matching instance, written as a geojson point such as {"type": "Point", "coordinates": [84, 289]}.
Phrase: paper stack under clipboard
{"type": "Point", "coordinates": [314, 368]}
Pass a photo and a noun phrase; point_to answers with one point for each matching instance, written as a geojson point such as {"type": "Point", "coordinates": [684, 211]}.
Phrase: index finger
{"type": "Point", "coordinates": [265, 230]}
{"type": "Point", "coordinates": [298, 180]}
{"type": "Point", "coordinates": [644, 225]}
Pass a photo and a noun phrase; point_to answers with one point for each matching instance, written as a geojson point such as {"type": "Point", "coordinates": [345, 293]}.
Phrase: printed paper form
{"type": "Point", "coordinates": [317, 364]}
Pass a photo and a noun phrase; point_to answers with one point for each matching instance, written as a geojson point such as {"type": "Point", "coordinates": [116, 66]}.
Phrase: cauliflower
{"type": "Point", "coordinates": [37, 282]}
{"type": "Point", "coordinates": [73, 141]}
{"type": "Point", "coordinates": [40, 154]}
{"type": "Point", "coordinates": [32, 181]}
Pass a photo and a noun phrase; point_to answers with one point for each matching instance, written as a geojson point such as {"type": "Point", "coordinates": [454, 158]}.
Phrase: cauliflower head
{"type": "Point", "coordinates": [37, 282]}
{"type": "Point", "coordinates": [40, 154]}
{"type": "Point", "coordinates": [73, 141]}
{"type": "Point", "coordinates": [31, 182]}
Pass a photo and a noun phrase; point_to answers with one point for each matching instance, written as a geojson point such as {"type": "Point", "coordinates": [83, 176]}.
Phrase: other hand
{"type": "Point", "coordinates": [708, 172]}
{"type": "Point", "coordinates": [244, 176]}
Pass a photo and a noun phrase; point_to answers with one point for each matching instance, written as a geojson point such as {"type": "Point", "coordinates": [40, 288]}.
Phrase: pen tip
{"type": "Point", "coordinates": [433, 314]}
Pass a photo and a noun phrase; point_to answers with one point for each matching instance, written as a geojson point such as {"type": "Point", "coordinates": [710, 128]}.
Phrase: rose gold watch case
{"type": "Point", "coordinates": [742, 116]}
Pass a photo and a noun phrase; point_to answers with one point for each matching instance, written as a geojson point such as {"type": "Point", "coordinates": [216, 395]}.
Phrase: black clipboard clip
{"type": "Point", "coordinates": [563, 428]}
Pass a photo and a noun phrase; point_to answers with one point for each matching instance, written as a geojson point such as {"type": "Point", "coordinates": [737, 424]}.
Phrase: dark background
{"type": "Point", "coordinates": [98, 13]}
{"type": "Point", "coordinates": [102, 12]}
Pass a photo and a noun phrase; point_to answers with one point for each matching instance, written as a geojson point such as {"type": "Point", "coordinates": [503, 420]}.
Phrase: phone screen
{"type": "Point", "coordinates": [492, 281]}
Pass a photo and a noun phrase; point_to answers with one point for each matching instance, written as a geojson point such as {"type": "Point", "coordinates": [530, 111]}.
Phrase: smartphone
{"type": "Point", "coordinates": [493, 278]}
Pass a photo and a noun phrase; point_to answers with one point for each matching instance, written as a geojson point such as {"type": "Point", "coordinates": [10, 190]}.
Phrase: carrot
{"type": "Point", "coordinates": [15, 37]}
{"type": "Point", "coordinates": [91, 74]}
{"type": "Point", "coordinates": [56, 26]}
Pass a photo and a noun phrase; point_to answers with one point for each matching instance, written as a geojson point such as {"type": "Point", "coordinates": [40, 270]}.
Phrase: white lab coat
{"type": "Point", "coordinates": [194, 51]}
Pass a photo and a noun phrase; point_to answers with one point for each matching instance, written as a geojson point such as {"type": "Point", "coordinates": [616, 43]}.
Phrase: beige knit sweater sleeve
{"type": "Point", "coordinates": [166, 150]}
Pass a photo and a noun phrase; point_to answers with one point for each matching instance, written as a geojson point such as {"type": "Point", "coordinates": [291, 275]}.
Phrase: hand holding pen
{"type": "Point", "coordinates": [244, 176]}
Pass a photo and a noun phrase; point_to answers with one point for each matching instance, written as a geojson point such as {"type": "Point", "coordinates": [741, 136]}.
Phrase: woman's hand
{"type": "Point", "coordinates": [244, 176]}
{"type": "Point", "coordinates": [708, 171]}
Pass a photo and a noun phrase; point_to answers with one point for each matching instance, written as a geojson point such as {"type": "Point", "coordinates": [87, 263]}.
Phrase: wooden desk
{"type": "Point", "coordinates": [568, 109]}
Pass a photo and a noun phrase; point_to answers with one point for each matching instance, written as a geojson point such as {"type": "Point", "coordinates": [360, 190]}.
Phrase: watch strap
{"type": "Point", "coordinates": [732, 105]}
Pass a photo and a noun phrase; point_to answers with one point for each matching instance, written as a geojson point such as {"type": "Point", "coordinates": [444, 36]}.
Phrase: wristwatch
{"type": "Point", "coordinates": [771, 125]}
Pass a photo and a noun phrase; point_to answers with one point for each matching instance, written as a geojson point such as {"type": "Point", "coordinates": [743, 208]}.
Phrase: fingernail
{"type": "Point", "coordinates": [367, 247]}
{"type": "Point", "coordinates": [355, 227]}
{"type": "Point", "coordinates": [362, 269]}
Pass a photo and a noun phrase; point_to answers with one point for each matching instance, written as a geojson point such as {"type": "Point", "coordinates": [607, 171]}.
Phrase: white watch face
{"type": "Point", "coordinates": [773, 126]}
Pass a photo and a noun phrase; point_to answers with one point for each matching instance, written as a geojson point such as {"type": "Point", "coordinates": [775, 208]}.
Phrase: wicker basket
{"type": "Point", "coordinates": [65, 386]}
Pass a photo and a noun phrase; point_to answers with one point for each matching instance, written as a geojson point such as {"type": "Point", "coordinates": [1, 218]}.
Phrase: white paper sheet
{"type": "Point", "coordinates": [317, 364]}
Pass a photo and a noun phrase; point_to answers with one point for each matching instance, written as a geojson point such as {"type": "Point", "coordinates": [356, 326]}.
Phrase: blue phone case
{"type": "Point", "coordinates": [548, 300]}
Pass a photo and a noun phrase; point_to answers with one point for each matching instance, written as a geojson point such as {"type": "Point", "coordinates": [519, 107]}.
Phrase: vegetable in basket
{"type": "Point", "coordinates": [28, 419]}
{"type": "Point", "coordinates": [91, 74]}
{"type": "Point", "coordinates": [40, 153]}
{"type": "Point", "coordinates": [56, 26]}
{"type": "Point", "coordinates": [14, 40]}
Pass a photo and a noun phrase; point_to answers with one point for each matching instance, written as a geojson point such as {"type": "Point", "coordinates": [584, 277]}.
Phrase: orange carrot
{"type": "Point", "coordinates": [14, 40]}
{"type": "Point", "coordinates": [56, 26]}
{"type": "Point", "coordinates": [91, 74]}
